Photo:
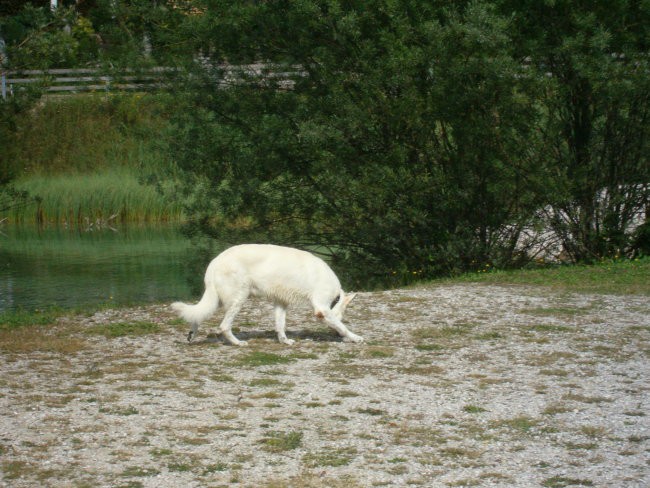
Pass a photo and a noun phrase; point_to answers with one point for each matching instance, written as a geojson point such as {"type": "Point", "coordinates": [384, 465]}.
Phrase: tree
{"type": "Point", "coordinates": [404, 146]}
{"type": "Point", "coordinates": [594, 58]}
{"type": "Point", "coordinates": [38, 38]}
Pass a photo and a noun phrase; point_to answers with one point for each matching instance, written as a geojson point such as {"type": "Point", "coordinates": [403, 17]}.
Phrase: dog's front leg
{"type": "Point", "coordinates": [280, 325]}
{"type": "Point", "coordinates": [339, 327]}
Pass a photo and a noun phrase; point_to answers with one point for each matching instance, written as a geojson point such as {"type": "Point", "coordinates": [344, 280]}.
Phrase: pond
{"type": "Point", "coordinates": [45, 267]}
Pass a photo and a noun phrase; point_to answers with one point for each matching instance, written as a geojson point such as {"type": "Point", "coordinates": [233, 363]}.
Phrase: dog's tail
{"type": "Point", "coordinates": [195, 314]}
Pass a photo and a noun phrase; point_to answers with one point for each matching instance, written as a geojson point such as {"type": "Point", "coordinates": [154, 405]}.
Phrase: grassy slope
{"type": "Point", "coordinates": [625, 277]}
{"type": "Point", "coordinates": [84, 158]}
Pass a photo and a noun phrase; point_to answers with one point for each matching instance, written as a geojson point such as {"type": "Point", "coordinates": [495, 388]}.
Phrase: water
{"type": "Point", "coordinates": [40, 268]}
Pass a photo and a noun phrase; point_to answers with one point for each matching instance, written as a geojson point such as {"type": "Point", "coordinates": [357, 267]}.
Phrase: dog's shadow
{"type": "Point", "coordinates": [268, 335]}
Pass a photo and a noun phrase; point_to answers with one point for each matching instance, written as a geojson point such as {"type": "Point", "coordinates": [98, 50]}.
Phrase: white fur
{"type": "Point", "coordinates": [281, 274]}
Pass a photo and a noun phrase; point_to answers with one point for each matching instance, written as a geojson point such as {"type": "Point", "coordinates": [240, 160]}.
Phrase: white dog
{"type": "Point", "coordinates": [282, 274]}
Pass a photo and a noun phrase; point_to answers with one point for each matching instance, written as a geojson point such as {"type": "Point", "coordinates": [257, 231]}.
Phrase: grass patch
{"type": "Point", "coordinates": [40, 339]}
{"type": "Point", "coordinates": [23, 318]}
{"type": "Point", "coordinates": [264, 382]}
{"type": "Point", "coordinates": [549, 328]}
{"type": "Point", "coordinates": [347, 394]}
{"type": "Point", "coordinates": [554, 372]}
{"type": "Point", "coordinates": [460, 452]}
{"type": "Point", "coordinates": [138, 471]}
{"type": "Point", "coordinates": [333, 457]}
{"type": "Point", "coordinates": [122, 329]}
{"type": "Point", "coordinates": [429, 347]}
{"type": "Point", "coordinates": [443, 333]}
{"type": "Point", "coordinates": [260, 358]}
{"type": "Point", "coordinates": [618, 277]}
{"type": "Point", "coordinates": [159, 452]}
{"type": "Point", "coordinates": [15, 469]}
{"type": "Point", "coordinates": [380, 352]}
{"type": "Point", "coordinates": [522, 424]}
{"type": "Point", "coordinates": [576, 397]}
{"type": "Point", "coordinates": [373, 412]}
{"type": "Point", "coordinates": [557, 311]}
{"type": "Point", "coordinates": [277, 442]}
{"type": "Point", "coordinates": [490, 336]}
{"type": "Point", "coordinates": [561, 481]}
{"type": "Point", "coordinates": [473, 409]}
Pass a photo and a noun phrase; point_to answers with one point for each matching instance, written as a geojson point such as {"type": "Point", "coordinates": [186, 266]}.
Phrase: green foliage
{"type": "Point", "coordinates": [82, 158]}
{"type": "Point", "coordinates": [406, 145]}
{"type": "Point", "coordinates": [597, 124]}
{"type": "Point", "coordinates": [89, 132]}
{"type": "Point", "coordinates": [404, 140]}
{"type": "Point", "coordinates": [117, 33]}
{"type": "Point", "coordinates": [38, 38]}
{"type": "Point", "coordinates": [11, 112]}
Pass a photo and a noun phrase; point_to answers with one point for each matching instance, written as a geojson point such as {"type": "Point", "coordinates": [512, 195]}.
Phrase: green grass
{"type": "Point", "coordinates": [561, 481]}
{"type": "Point", "coordinates": [122, 329]}
{"type": "Point", "coordinates": [261, 358]}
{"type": "Point", "coordinates": [277, 442]}
{"type": "Point", "coordinates": [332, 457]}
{"type": "Point", "coordinates": [619, 277]}
{"type": "Point", "coordinates": [82, 158]}
{"type": "Point", "coordinates": [473, 409]}
{"type": "Point", "coordinates": [87, 132]}
{"type": "Point", "coordinates": [100, 198]}
{"type": "Point", "coordinates": [23, 318]}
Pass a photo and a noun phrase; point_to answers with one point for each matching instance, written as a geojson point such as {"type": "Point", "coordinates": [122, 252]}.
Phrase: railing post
{"type": "Point", "coordinates": [4, 85]}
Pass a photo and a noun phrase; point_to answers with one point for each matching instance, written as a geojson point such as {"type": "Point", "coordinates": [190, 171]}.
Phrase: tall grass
{"type": "Point", "coordinates": [89, 132]}
{"type": "Point", "coordinates": [112, 195]}
{"type": "Point", "coordinates": [81, 158]}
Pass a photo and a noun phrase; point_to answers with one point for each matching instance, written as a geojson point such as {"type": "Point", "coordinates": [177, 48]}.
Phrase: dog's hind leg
{"type": "Point", "coordinates": [226, 323]}
{"type": "Point", "coordinates": [192, 333]}
{"type": "Point", "coordinates": [280, 324]}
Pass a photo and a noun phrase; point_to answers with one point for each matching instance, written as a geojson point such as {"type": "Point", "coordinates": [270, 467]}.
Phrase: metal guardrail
{"type": "Point", "coordinates": [64, 81]}
{"type": "Point", "coordinates": [84, 80]}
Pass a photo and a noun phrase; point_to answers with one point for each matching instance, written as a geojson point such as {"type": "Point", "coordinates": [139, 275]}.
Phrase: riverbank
{"type": "Point", "coordinates": [457, 384]}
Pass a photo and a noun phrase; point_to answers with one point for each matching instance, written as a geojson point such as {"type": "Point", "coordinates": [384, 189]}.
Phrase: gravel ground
{"type": "Point", "coordinates": [460, 385]}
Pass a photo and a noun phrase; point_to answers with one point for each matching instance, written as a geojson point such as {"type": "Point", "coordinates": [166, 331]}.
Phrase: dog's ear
{"type": "Point", "coordinates": [348, 298]}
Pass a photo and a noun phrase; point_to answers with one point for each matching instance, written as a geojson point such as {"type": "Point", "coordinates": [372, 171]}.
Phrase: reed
{"type": "Point", "coordinates": [95, 199]}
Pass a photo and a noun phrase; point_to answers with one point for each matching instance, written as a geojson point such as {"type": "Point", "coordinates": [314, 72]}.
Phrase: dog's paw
{"type": "Point", "coordinates": [353, 338]}
{"type": "Point", "coordinates": [287, 342]}
{"type": "Point", "coordinates": [241, 343]}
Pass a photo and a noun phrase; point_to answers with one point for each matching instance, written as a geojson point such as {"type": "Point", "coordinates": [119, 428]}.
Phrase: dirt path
{"type": "Point", "coordinates": [464, 385]}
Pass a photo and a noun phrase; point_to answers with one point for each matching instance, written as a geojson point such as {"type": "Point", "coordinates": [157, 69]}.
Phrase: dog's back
{"type": "Point", "coordinates": [280, 273]}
